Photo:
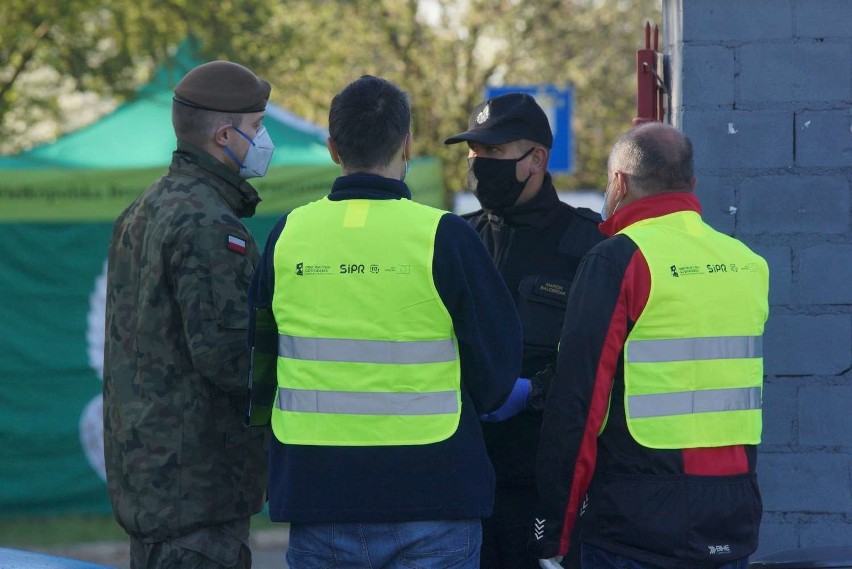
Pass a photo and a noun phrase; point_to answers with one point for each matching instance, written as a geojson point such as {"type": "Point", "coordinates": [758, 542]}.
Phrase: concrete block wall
{"type": "Point", "coordinates": [764, 90]}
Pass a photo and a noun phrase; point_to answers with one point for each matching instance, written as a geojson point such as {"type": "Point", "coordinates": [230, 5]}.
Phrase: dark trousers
{"type": "Point", "coordinates": [506, 533]}
{"type": "Point", "coordinates": [213, 547]}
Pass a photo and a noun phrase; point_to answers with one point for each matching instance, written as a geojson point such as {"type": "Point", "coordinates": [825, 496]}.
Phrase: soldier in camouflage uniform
{"type": "Point", "coordinates": [184, 474]}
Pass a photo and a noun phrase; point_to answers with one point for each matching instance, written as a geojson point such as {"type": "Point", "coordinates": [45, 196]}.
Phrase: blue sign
{"type": "Point", "coordinates": [556, 103]}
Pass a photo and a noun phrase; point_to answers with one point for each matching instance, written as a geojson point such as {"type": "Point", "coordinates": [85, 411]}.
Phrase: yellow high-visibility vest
{"type": "Point", "coordinates": [367, 355]}
{"type": "Point", "coordinates": [693, 363]}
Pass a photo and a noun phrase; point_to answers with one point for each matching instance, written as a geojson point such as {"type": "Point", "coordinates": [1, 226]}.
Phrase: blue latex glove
{"type": "Point", "coordinates": [516, 402]}
{"type": "Point", "coordinates": [552, 563]}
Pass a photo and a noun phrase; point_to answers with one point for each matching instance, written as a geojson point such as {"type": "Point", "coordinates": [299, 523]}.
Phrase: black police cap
{"type": "Point", "coordinates": [506, 118]}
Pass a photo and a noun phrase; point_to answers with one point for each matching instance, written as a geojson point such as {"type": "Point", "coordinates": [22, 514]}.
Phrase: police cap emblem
{"type": "Point", "coordinates": [483, 115]}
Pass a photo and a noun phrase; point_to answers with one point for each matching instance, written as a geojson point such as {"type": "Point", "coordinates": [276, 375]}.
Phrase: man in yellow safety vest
{"type": "Point", "coordinates": [392, 333]}
{"type": "Point", "coordinates": [652, 421]}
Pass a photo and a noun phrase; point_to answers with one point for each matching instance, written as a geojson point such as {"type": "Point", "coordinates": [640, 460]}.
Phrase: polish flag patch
{"type": "Point", "coordinates": [237, 244]}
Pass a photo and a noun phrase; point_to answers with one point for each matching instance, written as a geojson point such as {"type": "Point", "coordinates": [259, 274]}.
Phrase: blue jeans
{"type": "Point", "coordinates": [450, 544]}
{"type": "Point", "coordinates": [592, 557]}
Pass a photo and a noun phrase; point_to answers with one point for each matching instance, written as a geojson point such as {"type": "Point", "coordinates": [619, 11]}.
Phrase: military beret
{"type": "Point", "coordinates": [223, 86]}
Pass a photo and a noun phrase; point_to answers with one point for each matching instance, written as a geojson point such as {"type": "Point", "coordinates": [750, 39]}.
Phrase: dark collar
{"type": "Point", "coordinates": [240, 196]}
{"type": "Point", "coordinates": [368, 186]}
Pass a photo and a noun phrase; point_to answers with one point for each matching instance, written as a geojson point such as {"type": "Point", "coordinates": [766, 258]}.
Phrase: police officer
{"type": "Point", "coordinates": [652, 421]}
{"type": "Point", "coordinates": [183, 473]}
{"type": "Point", "coordinates": [536, 241]}
{"type": "Point", "coordinates": [394, 332]}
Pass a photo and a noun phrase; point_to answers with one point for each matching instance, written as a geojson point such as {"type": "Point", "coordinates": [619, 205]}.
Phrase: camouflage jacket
{"type": "Point", "coordinates": [175, 361]}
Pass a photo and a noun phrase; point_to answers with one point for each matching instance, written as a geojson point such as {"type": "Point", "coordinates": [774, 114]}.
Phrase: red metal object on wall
{"type": "Point", "coordinates": [650, 89]}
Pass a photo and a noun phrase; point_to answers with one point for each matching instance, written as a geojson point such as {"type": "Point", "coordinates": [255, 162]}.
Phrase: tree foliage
{"type": "Point", "coordinates": [443, 52]}
{"type": "Point", "coordinates": [52, 50]}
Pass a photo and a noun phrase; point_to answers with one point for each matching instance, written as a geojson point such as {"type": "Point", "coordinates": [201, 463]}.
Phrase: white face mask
{"type": "Point", "coordinates": [604, 216]}
{"type": "Point", "coordinates": [603, 207]}
{"type": "Point", "coordinates": [259, 154]}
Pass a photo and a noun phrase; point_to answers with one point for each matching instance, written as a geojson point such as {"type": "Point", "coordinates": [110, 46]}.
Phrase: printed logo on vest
{"type": "Point", "coordinates": [304, 270]}
{"type": "Point", "coordinates": [685, 270]}
{"type": "Point", "coordinates": [351, 269]}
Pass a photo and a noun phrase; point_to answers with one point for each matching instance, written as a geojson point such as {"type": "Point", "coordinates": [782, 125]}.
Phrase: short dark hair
{"type": "Point", "coordinates": [656, 156]}
{"type": "Point", "coordinates": [368, 122]}
{"type": "Point", "coordinates": [196, 125]}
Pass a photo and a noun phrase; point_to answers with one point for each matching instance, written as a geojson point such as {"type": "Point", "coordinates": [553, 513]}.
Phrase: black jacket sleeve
{"type": "Point", "coordinates": [484, 317]}
{"type": "Point", "coordinates": [577, 405]}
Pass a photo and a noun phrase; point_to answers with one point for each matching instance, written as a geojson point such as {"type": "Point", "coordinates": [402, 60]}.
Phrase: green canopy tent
{"type": "Point", "coordinates": [92, 174]}
{"type": "Point", "coordinates": [113, 159]}
{"type": "Point", "coordinates": [139, 134]}
{"type": "Point", "coordinates": [57, 204]}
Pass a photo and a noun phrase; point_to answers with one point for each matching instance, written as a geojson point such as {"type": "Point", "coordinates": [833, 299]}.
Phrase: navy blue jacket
{"type": "Point", "coordinates": [452, 479]}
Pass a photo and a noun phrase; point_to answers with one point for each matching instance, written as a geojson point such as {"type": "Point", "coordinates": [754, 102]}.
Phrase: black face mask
{"type": "Point", "coordinates": [494, 182]}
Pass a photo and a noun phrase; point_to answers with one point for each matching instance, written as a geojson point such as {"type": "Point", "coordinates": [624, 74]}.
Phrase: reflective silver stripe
{"type": "Point", "coordinates": [366, 351]}
{"type": "Point", "coordinates": [367, 403]}
{"type": "Point", "coordinates": [689, 402]}
{"type": "Point", "coordinates": [685, 349]}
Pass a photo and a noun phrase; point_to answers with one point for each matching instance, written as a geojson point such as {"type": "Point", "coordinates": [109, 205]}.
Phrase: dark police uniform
{"type": "Point", "coordinates": [537, 247]}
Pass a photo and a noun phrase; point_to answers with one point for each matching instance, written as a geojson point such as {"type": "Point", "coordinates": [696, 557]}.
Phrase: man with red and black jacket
{"type": "Point", "coordinates": [536, 242]}
{"type": "Point", "coordinates": [651, 424]}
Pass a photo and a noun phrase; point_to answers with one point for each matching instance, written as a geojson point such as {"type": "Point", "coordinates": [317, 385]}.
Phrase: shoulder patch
{"type": "Point", "coordinates": [582, 234]}
{"type": "Point", "coordinates": [472, 215]}
{"type": "Point", "coordinates": [237, 244]}
{"type": "Point", "coordinates": [588, 214]}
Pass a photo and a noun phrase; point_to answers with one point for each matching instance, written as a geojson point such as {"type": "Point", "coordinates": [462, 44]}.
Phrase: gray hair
{"type": "Point", "coordinates": [657, 157]}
